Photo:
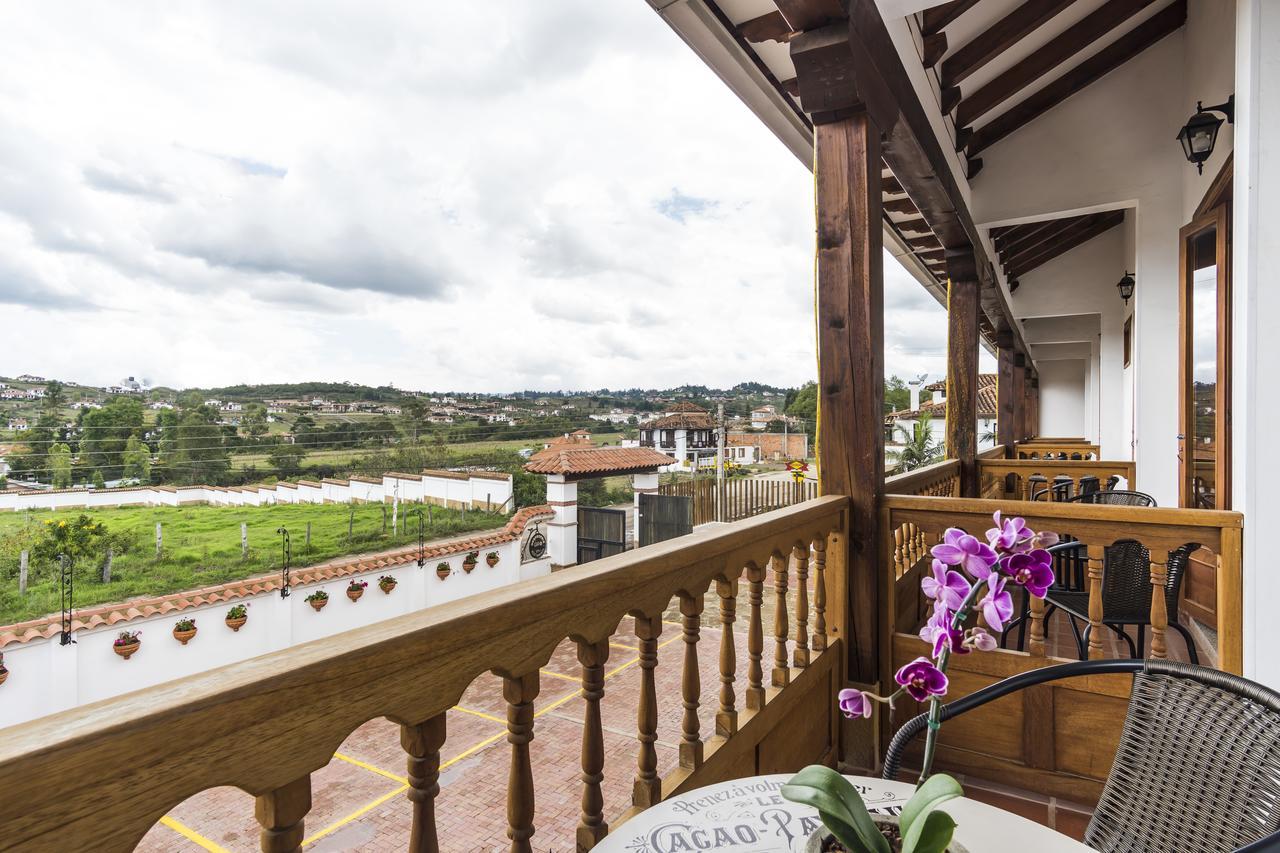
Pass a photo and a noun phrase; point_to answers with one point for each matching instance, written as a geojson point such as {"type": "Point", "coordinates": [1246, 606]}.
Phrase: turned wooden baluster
{"type": "Point", "coordinates": [727, 716]}
{"type": "Point", "coordinates": [690, 682]}
{"type": "Point", "coordinates": [592, 826]}
{"type": "Point", "coordinates": [755, 639]}
{"type": "Point", "coordinates": [1035, 645]}
{"type": "Point", "coordinates": [800, 657]}
{"type": "Point", "coordinates": [899, 553]}
{"type": "Point", "coordinates": [280, 815]}
{"type": "Point", "coordinates": [648, 787]}
{"type": "Point", "coordinates": [1159, 610]}
{"type": "Point", "coordinates": [820, 594]}
{"type": "Point", "coordinates": [781, 673]}
{"type": "Point", "coordinates": [422, 742]}
{"type": "Point", "coordinates": [520, 693]}
{"type": "Point", "coordinates": [1096, 556]}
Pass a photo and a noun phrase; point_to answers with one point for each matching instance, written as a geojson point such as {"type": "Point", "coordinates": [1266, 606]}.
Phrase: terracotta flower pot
{"type": "Point", "coordinates": [354, 594]}
{"type": "Point", "coordinates": [492, 561]}
{"type": "Point", "coordinates": [126, 651]}
{"type": "Point", "coordinates": [468, 565]}
{"type": "Point", "coordinates": [442, 573]}
{"type": "Point", "coordinates": [318, 604]}
{"type": "Point", "coordinates": [386, 587]}
{"type": "Point", "coordinates": [184, 637]}
{"type": "Point", "coordinates": [237, 624]}
{"type": "Point", "coordinates": [4, 675]}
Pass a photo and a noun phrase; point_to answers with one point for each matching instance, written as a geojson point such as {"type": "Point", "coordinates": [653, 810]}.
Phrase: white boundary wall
{"type": "Point", "coordinates": [46, 677]}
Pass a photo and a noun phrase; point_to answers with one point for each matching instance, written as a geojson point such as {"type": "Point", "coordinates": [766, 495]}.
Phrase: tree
{"type": "Point", "coordinates": [60, 465]}
{"type": "Point", "coordinates": [78, 539]}
{"type": "Point", "coordinates": [195, 449]}
{"type": "Point", "coordinates": [106, 432]}
{"type": "Point", "coordinates": [413, 416]}
{"type": "Point", "coordinates": [254, 420]}
{"type": "Point", "coordinates": [804, 405]}
{"type": "Point", "coordinates": [918, 446]}
{"type": "Point", "coordinates": [286, 459]}
{"type": "Point", "coordinates": [137, 460]}
{"type": "Point", "coordinates": [54, 395]}
{"type": "Point", "coordinates": [897, 396]}
{"type": "Point", "coordinates": [98, 482]}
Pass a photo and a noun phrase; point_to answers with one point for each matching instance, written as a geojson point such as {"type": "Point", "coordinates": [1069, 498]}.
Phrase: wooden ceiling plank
{"type": "Point", "coordinates": [935, 19]}
{"type": "Point", "coordinates": [1064, 46]}
{"type": "Point", "coordinates": [1082, 233]}
{"type": "Point", "coordinates": [915, 225]}
{"type": "Point", "coordinates": [934, 48]}
{"type": "Point", "coordinates": [890, 186]}
{"type": "Point", "coordinates": [902, 205]}
{"type": "Point", "coordinates": [1095, 67]}
{"type": "Point", "coordinates": [998, 38]}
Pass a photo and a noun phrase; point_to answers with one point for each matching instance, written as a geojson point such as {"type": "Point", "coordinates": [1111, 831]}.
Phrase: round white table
{"type": "Point", "coordinates": [751, 816]}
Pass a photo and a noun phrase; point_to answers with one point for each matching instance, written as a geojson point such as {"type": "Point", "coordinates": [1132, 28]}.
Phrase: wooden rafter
{"type": "Point", "coordinates": [934, 20]}
{"type": "Point", "coordinates": [1095, 67]}
{"type": "Point", "coordinates": [768, 27]}
{"type": "Point", "coordinates": [1071, 41]}
{"type": "Point", "coordinates": [1037, 236]}
{"type": "Point", "coordinates": [902, 205]}
{"type": "Point", "coordinates": [999, 37]}
{"type": "Point", "coordinates": [915, 225]}
{"type": "Point", "coordinates": [1081, 231]}
{"type": "Point", "coordinates": [890, 186]}
{"type": "Point", "coordinates": [804, 15]}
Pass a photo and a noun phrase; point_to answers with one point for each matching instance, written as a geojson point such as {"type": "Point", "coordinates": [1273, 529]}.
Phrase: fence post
{"type": "Point", "coordinates": [159, 540]}
{"type": "Point", "coordinates": [244, 541]}
{"type": "Point", "coordinates": [106, 567]}
{"type": "Point", "coordinates": [22, 573]}
{"type": "Point", "coordinates": [308, 540]}
{"type": "Point", "coordinates": [395, 515]}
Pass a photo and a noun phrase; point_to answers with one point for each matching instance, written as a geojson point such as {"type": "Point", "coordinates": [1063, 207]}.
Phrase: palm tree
{"type": "Point", "coordinates": [918, 446]}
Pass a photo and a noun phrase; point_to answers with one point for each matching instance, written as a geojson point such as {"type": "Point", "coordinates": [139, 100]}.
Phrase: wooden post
{"type": "Point", "coordinates": [820, 594]}
{"type": "Point", "coordinates": [520, 693]}
{"type": "Point", "coordinates": [106, 566]}
{"type": "Point", "coordinates": [800, 654]}
{"type": "Point", "coordinates": [1033, 407]}
{"type": "Point", "coordinates": [755, 638]}
{"type": "Point", "coordinates": [422, 742]}
{"type": "Point", "coordinates": [159, 540]}
{"type": "Point", "coordinates": [1096, 557]}
{"type": "Point", "coordinates": [22, 572]}
{"type": "Point", "coordinates": [851, 358]}
{"type": "Point", "coordinates": [647, 790]}
{"type": "Point", "coordinates": [727, 716]}
{"type": "Point", "coordinates": [690, 682]}
{"type": "Point", "coordinates": [244, 541]}
{"type": "Point", "coordinates": [308, 539]}
{"type": "Point", "coordinates": [280, 815]}
{"type": "Point", "coordinates": [781, 673]}
{"type": "Point", "coordinates": [1028, 419]}
{"type": "Point", "coordinates": [962, 368]}
{"type": "Point", "coordinates": [1019, 397]}
{"type": "Point", "coordinates": [592, 826]}
{"type": "Point", "coordinates": [1159, 611]}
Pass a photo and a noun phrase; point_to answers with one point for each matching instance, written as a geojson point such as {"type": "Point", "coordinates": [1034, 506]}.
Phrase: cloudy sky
{"type": "Point", "coordinates": [546, 195]}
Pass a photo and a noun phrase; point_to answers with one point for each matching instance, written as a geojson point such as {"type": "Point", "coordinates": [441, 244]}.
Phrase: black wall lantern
{"type": "Point", "coordinates": [1126, 287]}
{"type": "Point", "coordinates": [1200, 133]}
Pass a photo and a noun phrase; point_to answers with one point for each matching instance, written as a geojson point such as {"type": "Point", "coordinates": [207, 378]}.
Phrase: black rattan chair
{"type": "Point", "coordinates": [1197, 768]}
{"type": "Point", "coordinates": [1126, 593]}
{"type": "Point", "coordinates": [1115, 497]}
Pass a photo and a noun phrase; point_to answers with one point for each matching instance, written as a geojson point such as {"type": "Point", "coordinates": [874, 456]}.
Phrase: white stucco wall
{"type": "Point", "coordinates": [1062, 397]}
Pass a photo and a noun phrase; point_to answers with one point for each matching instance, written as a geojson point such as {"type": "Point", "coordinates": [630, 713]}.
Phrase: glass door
{"type": "Point", "coordinates": [1205, 362]}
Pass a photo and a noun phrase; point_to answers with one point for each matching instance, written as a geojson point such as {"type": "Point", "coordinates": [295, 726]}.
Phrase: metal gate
{"type": "Point", "coordinates": [664, 517]}
{"type": "Point", "coordinates": [601, 533]}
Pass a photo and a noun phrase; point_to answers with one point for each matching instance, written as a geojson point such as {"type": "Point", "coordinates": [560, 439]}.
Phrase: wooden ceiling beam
{"type": "Point", "coordinates": [1077, 235]}
{"type": "Point", "coordinates": [890, 186]}
{"type": "Point", "coordinates": [915, 225]}
{"type": "Point", "coordinates": [934, 20]}
{"type": "Point", "coordinates": [998, 38]}
{"type": "Point", "coordinates": [1112, 56]}
{"type": "Point", "coordinates": [929, 242]}
{"type": "Point", "coordinates": [1060, 231]}
{"type": "Point", "coordinates": [768, 27]}
{"type": "Point", "coordinates": [1064, 46]}
{"type": "Point", "coordinates": [1048, 231]}
{"type": "Point", "coordinates": [902, 205]}
{"type": "Point", "coordinates": [802, 15]}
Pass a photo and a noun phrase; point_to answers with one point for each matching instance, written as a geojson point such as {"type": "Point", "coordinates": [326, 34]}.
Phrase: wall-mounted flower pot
{"type": "Point", "coordinates": [468, 565]}
{"type": "Point", "coordinates": [237, 624]}
{"type": "Point", "coordinates": [443, 571]}
{"type": "Point", "coordinates": [386, 587]}
{"type": "Point", "coordinates": [126, 650]}
{"type": "Point", "coordinates": [354, 594]}
{"type": "Point", "coordinates": [4, 675]}
{"type": "Point", "coordinates": [492, 560]}
{"type": "Point", "coordinates": [318, 604]}
{"type": "Point", "coordinates": [184, 637]}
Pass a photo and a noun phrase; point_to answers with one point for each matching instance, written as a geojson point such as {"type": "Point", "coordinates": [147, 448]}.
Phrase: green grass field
{"type": "Point", "coordinates": [202, 547]}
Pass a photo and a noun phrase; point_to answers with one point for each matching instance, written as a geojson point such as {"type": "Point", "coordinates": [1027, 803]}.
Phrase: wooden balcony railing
{"type": "Point", "coordinates": [1047, 479]}
{"type": "Point", "coordinates": [1056, 448]}
{"type": "Point", "coordinates": [743, 497]}
{"type": "Point", "coordinates": [941, 479]}
{"type": "Point", "coordinates": [98, 777]}
{"type": "Point", "coordinates": [1058, 740]}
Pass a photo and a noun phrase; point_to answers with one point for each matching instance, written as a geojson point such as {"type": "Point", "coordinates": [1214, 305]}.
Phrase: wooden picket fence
{"type": "Point", "coordinates": [743, 497]}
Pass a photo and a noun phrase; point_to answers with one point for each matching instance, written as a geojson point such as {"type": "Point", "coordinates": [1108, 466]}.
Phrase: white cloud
{"type": "Point", "coordinates": [565, 197]}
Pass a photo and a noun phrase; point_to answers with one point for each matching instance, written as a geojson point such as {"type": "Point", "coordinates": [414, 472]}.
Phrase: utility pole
{"type": "Point", "coordinates": [720, 513]}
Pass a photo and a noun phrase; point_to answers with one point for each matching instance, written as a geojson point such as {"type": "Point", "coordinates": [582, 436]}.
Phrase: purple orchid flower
{"type": "Point", "coordinates": [960, 549]}
{"type": "Point", "coordinates": [1043, 539]}
{"type": "Point", "coordinates": [854, 703]}
{"type": "Point", "coordinates": [939, 634]}
{"type": "Point", "coordinates": [997, 604]}
{"type": "Point", "coordinates": [922, 679]}
{"type": "Point", "coordinates": [981, 640]}
{"type": "Point", "coordinates": [1009, 535]}
{"type": "Point", "coordinates": [945, 586]}
{"type": "Point", "coordinates": [1032, 570]}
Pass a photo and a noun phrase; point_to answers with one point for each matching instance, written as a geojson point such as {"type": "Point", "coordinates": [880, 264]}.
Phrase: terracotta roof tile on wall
{"type": "Point", "coordinates": [686, 407]}
{"type": "Point", "coordinates": [595, 460]}
{"type": "Point", "coordinates": [987, 404]}
{"type": "Point", "coordinates": [141, 608]}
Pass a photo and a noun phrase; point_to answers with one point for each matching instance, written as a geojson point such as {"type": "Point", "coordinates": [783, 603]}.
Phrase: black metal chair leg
{"type": "Point", "coordinates": [1186, 636]}
{"type": "Point", "coordinates": [1080, 641]}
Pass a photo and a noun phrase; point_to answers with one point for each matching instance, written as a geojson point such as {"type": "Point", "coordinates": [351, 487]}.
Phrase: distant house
{"type": "Point", "coordinates": [12, 394]}
{"type": "Point", "coordinates": [936, 408]}
{"type": "Point", "coordinates": [34, 393]}
{"type": "Point", "coordinates": [18, 424]}
{"type": "Point", "coordinates": [27, 377]}
{"type": "Point", "coordinates": [160, 405]}
{"type": "Point", "coordinates": [763, 416]}
{"type": "Point", "coordinates": [686, 434]}
{"type": "Point", "coordinates": [498, 418]}
{"type": "Point", "coordinates": [766, 446]}
{"type": "Point", "coordinates": [579, 437]}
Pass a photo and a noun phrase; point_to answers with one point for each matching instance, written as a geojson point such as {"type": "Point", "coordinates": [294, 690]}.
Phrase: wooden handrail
{"type": "Point", "coordinates": [939, 479]}
{"type": "Point", "coordinates": [1067, 448]}
{"type": "Point", "coordinates": [995, 473]}
{"type": "Point", "coordinates": [99, 776]}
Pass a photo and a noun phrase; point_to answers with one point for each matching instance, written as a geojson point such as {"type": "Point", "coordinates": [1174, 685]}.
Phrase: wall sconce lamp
{"type": "Point", "coordinates": [1200, 133]}
{"type": "Point", "coordinates": [1125, 287]}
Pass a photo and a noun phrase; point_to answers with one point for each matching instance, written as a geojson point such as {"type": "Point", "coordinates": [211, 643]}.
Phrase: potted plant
{"type": "Point", "coordinates": [469, 561]}
{"type": "Point", "coordinates": [355, 589]}
{"type": "Point", "coordinates": [127, 643]}
{"type": "Point", "coordinates": [386, 583]}
{"type": "Point", "coordinates": [491, 558]}
{"type": "Point", "coordinates": [968, 574]}
{"type": "Point", "coordinates": [184, 629]}
{"type": "Point", "coordinates": [318, 600]}
{"type": "Point", "coordinates": [4, 672]}
{"type": "Point", "coordinates": [443, 570]}
{"type": "Point", "coordinates": [237, 616]}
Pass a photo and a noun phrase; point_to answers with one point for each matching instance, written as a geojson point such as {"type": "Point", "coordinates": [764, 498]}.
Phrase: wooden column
{"type": "Point", "coordinates": [520, 693]}
{"type": "Point", "coordinates": [1007, 407]}
{"type": "Point", "coordinates": [1019, 396]}
{"type": "Point", "coordinates": [962, 368]}
{"type": "Point", "coordinates": [1033, 406]}
{"type": "Point", "coordinates": [851, 371]}
{"type": "Point", "coordinates": [592, 826]}
{"type": "Point", "coordinates": [422, 742]}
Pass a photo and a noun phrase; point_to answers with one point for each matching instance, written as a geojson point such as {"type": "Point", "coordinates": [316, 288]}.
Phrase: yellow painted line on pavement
{"type": "Point", "coordinates": [559, 674]}
{"type": "Point", "coordinates": [355, 815]}
{"type": "Point", "coordinates": [193, 836]}
{"type": "Point", "coordinates": [358, 763]}
{"type": "Point", "coordinates": [481, 714]}
{"type": "Point", "coordinates": [474, 749]}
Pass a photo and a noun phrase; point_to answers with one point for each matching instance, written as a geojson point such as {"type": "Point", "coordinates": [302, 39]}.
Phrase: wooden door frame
{"type": "Point", "coordinates": [1217, 217]}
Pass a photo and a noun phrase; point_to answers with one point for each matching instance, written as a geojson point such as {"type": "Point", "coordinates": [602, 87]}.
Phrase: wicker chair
{"type": "Point", "coordinates": [1197, 768]}
{"type": "Point", "coordinates": [1115, 497]}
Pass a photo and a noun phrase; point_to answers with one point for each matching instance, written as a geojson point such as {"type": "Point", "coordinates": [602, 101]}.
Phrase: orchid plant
{"type": "Point", "coordinates": [967, 574]}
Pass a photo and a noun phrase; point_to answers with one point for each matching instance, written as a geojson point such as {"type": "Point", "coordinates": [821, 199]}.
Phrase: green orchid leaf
{"type": "Point", "coordinates": [839, 805]}
{"type": "Point", "coordinates": [930, 835]}
{"type": "Point", "coordinates": [935, 790]}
